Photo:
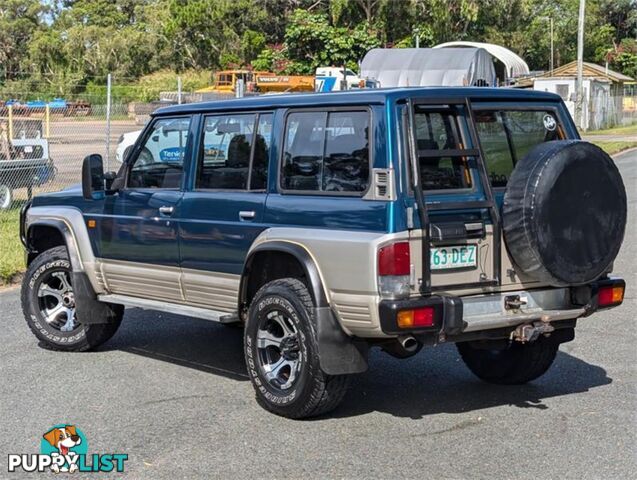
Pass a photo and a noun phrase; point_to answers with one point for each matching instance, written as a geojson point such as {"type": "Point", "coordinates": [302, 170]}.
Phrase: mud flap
{"type": "Point", "coordinates": [339, 354]}
{"type": "Point", "coordinates": [88, 308]}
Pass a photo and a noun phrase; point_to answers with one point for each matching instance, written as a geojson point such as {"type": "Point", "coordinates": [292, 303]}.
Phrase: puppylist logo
{"type": "Point", "coordinates": [64, 449]}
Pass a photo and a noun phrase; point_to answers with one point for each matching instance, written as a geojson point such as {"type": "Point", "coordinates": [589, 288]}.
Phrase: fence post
{"type": "Point", "coordinates": [179, 90]}
{"type": "Point", "coordinates": [108, 121]}
{"type": "Point", "coordinates": [239, 89]}
{"type": "Point", "coordinates": [10, 122]}
{"type": "Point", "coordinates": [47, 121]}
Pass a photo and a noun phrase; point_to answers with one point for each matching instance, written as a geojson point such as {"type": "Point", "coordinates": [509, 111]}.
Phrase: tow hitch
{"type": "Point", "coordinates": [531, 332]}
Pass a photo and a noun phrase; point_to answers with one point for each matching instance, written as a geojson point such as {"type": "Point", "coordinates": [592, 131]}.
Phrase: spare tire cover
{"type": "Point", "coordinates": [564, 213]}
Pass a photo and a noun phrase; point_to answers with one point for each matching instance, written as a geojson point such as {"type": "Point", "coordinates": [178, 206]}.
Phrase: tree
{"type": "Point", "coordinates": [19, 21]}
{"type": "Point", "coordinates": [310, 42]}
{"type": "Point", "coordinates": [60, 47]}
{"type": "Point", "coordinates": [201, 31]}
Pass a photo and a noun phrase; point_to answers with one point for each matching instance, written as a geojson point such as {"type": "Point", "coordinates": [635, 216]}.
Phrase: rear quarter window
{"type": "Point", "coordinates": [326, 152]}
{"type": "Point", "coordinates": [507, 136]}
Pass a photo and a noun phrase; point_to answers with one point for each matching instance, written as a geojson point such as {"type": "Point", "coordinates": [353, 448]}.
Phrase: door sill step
{"type": "Point", "coordinates": [176, 308]}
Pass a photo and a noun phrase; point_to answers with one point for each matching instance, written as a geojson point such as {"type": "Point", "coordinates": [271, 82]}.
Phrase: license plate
{"type": "Point", "coordinates": [460, 256]}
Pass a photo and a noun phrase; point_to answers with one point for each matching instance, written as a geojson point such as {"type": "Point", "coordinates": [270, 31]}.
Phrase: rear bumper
{"type": "Point", "coordinates": [459, 315]}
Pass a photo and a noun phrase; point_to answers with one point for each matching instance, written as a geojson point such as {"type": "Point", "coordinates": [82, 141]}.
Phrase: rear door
{"type": "Point", "coordinates": [507, 132]}
{"type": "Point", "coordinates": [223, 213]}
{"type": "Point", "coordinates": [463, 228]}
{"type": "Point", "coordinates": [464, 153]}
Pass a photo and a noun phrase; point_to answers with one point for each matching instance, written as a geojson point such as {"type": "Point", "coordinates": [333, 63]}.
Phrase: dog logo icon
{"type": "Point", "coordinates": [64, 438]}
{"type": "Point", "coordinates": [64, 448]}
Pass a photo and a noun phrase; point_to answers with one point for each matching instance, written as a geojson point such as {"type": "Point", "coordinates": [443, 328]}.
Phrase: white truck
{"type": "Point", "coordinates": [330, 79]}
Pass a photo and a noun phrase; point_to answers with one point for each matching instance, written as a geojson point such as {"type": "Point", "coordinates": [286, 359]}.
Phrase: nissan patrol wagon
{"type": "Point", "coordinates": [328, 224]}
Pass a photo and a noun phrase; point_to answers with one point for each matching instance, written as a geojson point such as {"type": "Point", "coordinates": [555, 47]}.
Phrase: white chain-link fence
{"type": "Point", "coordinates": [43, 140]}
{"type": "Point", "coordinates": [42, 144]}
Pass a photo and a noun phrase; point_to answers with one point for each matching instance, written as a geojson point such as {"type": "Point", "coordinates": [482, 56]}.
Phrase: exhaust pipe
{"type": "Point", "coordinates": [408, 343]}
{"type": "Point", "coordinates": [404, 346]}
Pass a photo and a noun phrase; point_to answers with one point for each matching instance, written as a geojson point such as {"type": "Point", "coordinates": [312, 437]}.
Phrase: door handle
{"type": "Point", "coordinates": [166, 210]}
{"type": "Point", "coordinates": [247, 214]}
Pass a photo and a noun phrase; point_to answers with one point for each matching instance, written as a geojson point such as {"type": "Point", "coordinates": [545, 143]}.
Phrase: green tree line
{"type": "Point", "coordinates": [68, 47]}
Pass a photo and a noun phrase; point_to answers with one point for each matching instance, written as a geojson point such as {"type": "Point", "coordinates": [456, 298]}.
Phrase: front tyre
{"type": "Point", "coordinates": [48, 303]}
{"type": "Point", "coordinates": [281, 351]}
{"type": "Point", "coordinates": [516, 364]}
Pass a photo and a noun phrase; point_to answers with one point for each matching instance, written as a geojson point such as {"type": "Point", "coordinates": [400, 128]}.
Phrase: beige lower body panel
{"type": "Point", "coordinates": [220, 290]}
{"type": "Point", "coordinates": [357, 313]}
{"type": "Point", "coordinates": [213, 290]}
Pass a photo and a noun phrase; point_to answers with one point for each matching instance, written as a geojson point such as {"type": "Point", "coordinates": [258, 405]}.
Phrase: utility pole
{"type": "Point", "coordinates": [179, 90]}
{"type": "Point", "coordinates": [108, 121]}
{"type": "Point", "coordinates": [551, 57]}
{"type": "Point", "coordinates": [579, 94]}
{"type": "Point", "coordinates": [551, 64]}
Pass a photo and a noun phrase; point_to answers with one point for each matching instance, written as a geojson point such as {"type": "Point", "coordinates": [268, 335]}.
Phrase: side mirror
{"type": "Point", "coordinates": [93, 177]}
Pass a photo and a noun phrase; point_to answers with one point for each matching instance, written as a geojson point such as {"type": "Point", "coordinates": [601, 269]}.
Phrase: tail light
{"type": "Point", "coordinates": [394, 266]}
{"type": "Point", "coordinates": [416, 318]}
{"type": "Point", "coordinates": [610, 296]}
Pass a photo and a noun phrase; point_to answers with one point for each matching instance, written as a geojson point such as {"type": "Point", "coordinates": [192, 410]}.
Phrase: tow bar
{"type": "Point", "coordinates": [530, 332]}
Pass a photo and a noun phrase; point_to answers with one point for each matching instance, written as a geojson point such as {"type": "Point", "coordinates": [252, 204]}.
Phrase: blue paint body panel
{"type": "Point", "coordinates": [212, 234]}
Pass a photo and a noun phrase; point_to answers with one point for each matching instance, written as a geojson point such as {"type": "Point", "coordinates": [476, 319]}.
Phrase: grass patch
{"type": "Point", "coordinates": [625, 130]}
{"type": "Point", "coordinates": [11, 251]}
{"type": "Point", "coordinates": [615, 147]}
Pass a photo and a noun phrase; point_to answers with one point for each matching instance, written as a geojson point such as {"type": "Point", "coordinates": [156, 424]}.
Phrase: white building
{"type": "Point", "coordinates": [603, 92]}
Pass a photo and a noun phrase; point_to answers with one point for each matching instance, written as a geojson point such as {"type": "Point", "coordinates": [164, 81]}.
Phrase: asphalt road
{"type": "Point", "coordinates": [172, 392]}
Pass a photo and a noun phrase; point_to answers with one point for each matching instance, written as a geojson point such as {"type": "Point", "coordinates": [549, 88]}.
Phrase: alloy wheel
{"type": "Point", "coordinates": [56, 301]}
{"type": "Point", "coordinates": [279, 354]}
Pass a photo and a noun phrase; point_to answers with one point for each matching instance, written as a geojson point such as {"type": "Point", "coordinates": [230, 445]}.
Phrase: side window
{"type": "Point", "coordinates": [303, 152]}
{"type": "Point", "coordinates": [233, 154]}
{"type": "Point", "coordinates": [507, 136]}
{"type": "Point", "coordinates": [227, 144]}
{"type": "Point", "coordinates": [160, 162]}
{"type": "Point", "coordinates": [326, 152]}
{"type": "Point", "coordinates": [437, 132]}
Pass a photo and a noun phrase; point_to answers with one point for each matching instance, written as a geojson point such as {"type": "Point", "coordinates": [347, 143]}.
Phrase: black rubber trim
{"type": "Point", "coordinates": [315, 285]}
{"type": "Point", "coordinates": [339, 354]}
{"type": "Point", "coordinates": [588, 295]}
{"type": "Point", "coordinates": [447, 314]}
{"type": "Point", "coordinates": [87, 306]}
{"type": "Point", "coordinates": [23, 218]}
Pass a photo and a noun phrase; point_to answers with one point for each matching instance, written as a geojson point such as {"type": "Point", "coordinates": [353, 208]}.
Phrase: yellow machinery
{"type": "Point", "coordinates": [262, 82]}
{"type": "Point", "coordinates": [284, 83]}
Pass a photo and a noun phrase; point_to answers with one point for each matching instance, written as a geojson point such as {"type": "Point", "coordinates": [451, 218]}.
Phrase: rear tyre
{"type": "Point", "coordinates": [517, 364]}
{"type": "Point", "coordinates": [6, 197]}
{"type": "Point", "coordinates": [281, 351]}
{"type": "Point", "coordinates": [48, 304]}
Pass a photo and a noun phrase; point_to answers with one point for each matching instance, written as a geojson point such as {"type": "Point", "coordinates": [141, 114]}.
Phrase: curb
{"type": "Point", "coordinates": [628, 150]}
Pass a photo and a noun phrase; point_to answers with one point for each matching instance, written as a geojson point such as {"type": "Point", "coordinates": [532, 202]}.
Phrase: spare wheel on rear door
{"type": "Point", "coordinates": [564, 213]}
